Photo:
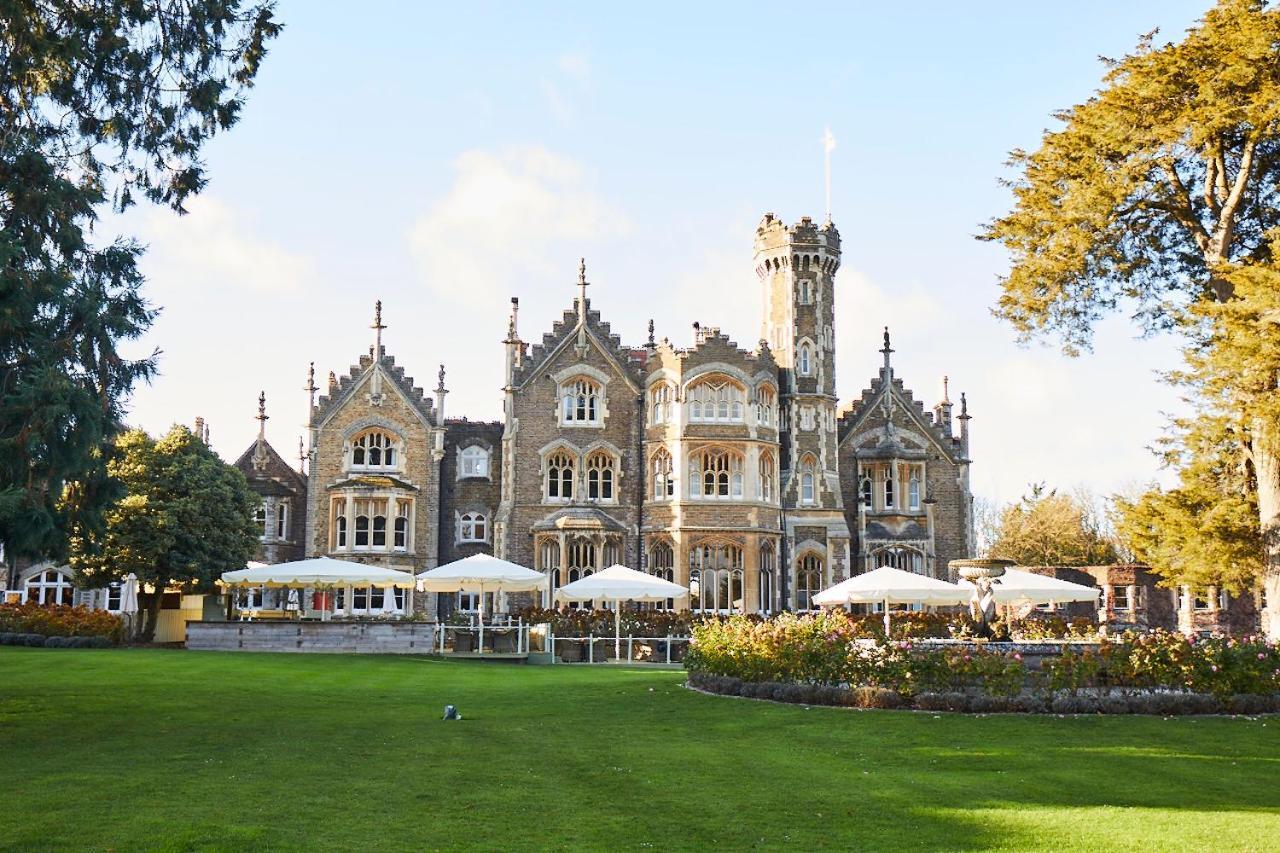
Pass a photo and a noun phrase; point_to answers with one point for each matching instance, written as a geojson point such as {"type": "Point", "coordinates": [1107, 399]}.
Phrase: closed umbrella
{"type": "Point", "coordinates": [892, 586]}
{"type": "Point", "coordinates": [129, 600]}
{"type": "Point", "coordinates": [480, 573]}
{"type": "Point", "coordinates": [619, 584]}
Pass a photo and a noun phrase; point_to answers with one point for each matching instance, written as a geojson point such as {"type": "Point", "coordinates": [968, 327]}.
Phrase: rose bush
{"type": "Point", "coordinates": [60, 620]}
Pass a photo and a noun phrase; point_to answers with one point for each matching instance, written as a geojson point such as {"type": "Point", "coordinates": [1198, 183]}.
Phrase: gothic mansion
{"type": "Point", "coordinates": [730, 472]}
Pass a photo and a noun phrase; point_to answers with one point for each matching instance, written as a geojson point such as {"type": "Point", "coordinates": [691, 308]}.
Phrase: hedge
{"type": "Point", "coordinates": [60, 620]}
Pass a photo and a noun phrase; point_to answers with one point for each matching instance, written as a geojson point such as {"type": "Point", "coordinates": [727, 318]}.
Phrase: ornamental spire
{"type": "Point", "coordinates": [377, 330]}
{"type": "Point", "coordinates": [262, 415]}
{"type": "Point", "coordinates": [946, 395]}
{"type": "Point", "coordinates": [582, 288]}
{"type": "Point", "coordinates": [310, 387]}
{"type": "Point", "coordinates": [887, 351]}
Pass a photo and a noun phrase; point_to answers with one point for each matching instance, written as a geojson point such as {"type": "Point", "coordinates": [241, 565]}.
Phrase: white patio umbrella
{"type": "Point", "coordinates": [317, 572]}
{"type": "Point", "coordinates": [619, 584]}
{"type": "Point", "coordinates": [129, 601]}
{"type": "Point", "coordinates": [1016, 585]}
{"type": "Point", "coordinates": [481, 573]}
{"type": "Point", "coordinates": [892, 586]}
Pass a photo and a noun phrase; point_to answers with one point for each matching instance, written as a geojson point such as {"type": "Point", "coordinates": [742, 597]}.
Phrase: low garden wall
{"type": "Point", "coordinates": [827, 659]}
{"type": "Point", "coordinates": [410, 638]}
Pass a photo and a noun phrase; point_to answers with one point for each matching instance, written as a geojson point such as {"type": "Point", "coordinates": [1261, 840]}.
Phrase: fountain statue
{"type": "Point", "coordinates": [984, 575]}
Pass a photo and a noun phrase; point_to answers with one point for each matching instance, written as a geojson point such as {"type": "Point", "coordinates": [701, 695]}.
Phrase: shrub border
{"type": "Point", "coordinates": [40, 641]}
{"type": "Point", "coordinates": [1151, 702]}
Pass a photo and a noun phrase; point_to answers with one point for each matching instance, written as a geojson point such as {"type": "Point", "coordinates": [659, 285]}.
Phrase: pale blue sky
{"type": "Point", "coordinates": [445, 157]}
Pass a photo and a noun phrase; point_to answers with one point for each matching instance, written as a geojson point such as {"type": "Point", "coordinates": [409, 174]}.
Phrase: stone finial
{"type": "Point", "coordinates": [310, 387]}
{"type": "Point", "coordinates": [377, 330]}
{"type": "Point", "coordinates": [333, 383]}
{"type": "Point", "coordinates": [440, 383]}
{"type": "Point", "coordinates": [946, 391]}
{"type": "Point", "coordinates": [302, 457]}
{"type": "Point", "coordinates": [262, 413]}
{"type": "Point", "coordinates": [651, 344]}
{"type": "Point", "coordinates": [964, 406]}
{"type": "Point", "coordinates": [887, 351]}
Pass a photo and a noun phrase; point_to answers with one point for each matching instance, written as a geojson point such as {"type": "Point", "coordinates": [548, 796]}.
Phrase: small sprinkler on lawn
{"type": "Point", "coordinates": [451, 713]}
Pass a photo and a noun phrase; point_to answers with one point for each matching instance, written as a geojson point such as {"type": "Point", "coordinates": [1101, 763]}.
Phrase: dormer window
{"type": "Point", "coordinates": [473, 461]}
{"type": "Point", "coordinates": [374, 450]}
{"type": "Point", "coordinates": [580, 402]}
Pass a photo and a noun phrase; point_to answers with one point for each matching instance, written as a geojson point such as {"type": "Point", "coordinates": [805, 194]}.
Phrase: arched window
{"type": "Point", "coordinates": [900, 557]}
{"type": "Point", "coordinates": [49, 587]}
{"type": "Point", "coordinates": [600, 476]}
{"type": "Point", "coordinates": [362, 524]}
{"type": "Point", "coordinates": [803, 364]}
{"type": "Point", "coordinates": [662, 564]}
{"type": "Point", "coordinates": [260, 518]}
{"type": "Point", "coordinates": [580, 402]}
{"type": "Point", "coordinates": [374, 449]}
{"type": "Point", "coordinates": [660, 396]}
{"type": "Point", "coordinates": [473, 527]}
{"type": "Point", "coordinates": [888, 490]}
{"type": "Point", "coordinates": [867, 492]}
{"type": "Point", "coordinates": [768, 476]}
{"type": "Point", "coordinates": [663, 481]}
{"type": "Point", "coordinates": [765, 400]}
{"type": "Point", "coordinates": [379, 511]}
{"type": "Point", "coordinates": [338, 515]}
{"type": "Point", "coordinates": [560, 474]}
{"type": "Point", "coordinates": [913, 490]}
{"type": "Point", "coordinates": [808, 492]}
{"type": "Point", "coordinates": [473, 461]}
{"type": "Point", "coordinates": [717, 569]}
{"type": "Point", "coordinates": [582, 564]}
{"type": "Point", "coordinates": [808, 580]}
{"type": "Point", "coordinates": [403, 510]}
{"type": "Point", "coordinates": [768, 577]}
{"type": "Point", "coordinates": [715, 473]}
{"type": "Point", "coordinates": [715, 400]}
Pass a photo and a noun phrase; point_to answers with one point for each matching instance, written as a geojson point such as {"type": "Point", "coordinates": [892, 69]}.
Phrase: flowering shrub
{"type": "Point", "coordinates": [59, 620]}
{"type": "Point", "coordinates": [583, 623]}
{"type": "Point", "coordinates": [830, 649]}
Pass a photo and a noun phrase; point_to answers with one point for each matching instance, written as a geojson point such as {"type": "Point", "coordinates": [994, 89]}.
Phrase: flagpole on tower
{"type": "Point", "coordinates": [828, 145]}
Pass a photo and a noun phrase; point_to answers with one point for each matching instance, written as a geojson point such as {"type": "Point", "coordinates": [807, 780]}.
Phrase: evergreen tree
{"type": "Point", "coordinates": [100, 102]}
{"type": "Point", "coordinates": [185, 518]}
{"type": "Point", "coordinates": [1160, 194]}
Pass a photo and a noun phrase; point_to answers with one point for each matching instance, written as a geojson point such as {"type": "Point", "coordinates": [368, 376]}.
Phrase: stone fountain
{"type": "Point", "coordinates": [984, 575]}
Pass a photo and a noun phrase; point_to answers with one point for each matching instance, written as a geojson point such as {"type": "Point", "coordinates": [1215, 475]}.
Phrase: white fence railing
{"type": "Point", "coordinates": [630, 649]}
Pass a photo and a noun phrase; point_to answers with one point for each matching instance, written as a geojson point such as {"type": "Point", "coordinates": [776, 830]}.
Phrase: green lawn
{"type": "Point", "coordinates": [154, 749]}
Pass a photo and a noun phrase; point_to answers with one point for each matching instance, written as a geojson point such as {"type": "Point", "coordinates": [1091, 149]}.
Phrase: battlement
{"type": "Point", "coordinates": [800, 247]}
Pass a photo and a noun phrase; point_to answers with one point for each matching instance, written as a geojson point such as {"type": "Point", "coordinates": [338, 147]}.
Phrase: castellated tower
{"type": "Point", "coordinates": [797, 266]}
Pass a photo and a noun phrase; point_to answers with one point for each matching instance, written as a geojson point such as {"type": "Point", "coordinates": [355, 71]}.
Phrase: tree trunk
{"type": "Point", "coordinates": [1266, 464]}
{"type": "Point", "coordinates": [151, 615]}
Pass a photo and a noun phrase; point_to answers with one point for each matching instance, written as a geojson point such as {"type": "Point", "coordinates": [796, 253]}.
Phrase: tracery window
{"type": "Point", "coordinates": [765, 400]}
{"type": "Point", "coordinates": [808, 580]}
{"type": "Point", "coordinates": [339, 525]}
{"type": "Point", "coordinates": [768, 577]}
{"type": "Point", "coordinates": [662, 564]}
{"type": "Point", "coordinates": [561, 468]}
{"type": "Point", "coordinates": [403, 510]}
{"type": "Point", "coordinates": [660, 397]}
{"type": "Point", "coordinates": [373, 449]}
{"type": "Point", "coordinates": [768, 476]}
{"type": "Point", "coordinates": [715, 473]}
{"type": "Point", "coordinates": [867, 492]}
{"type": "Point", "coordinates": [580, 402]}
{"type": "Point", "coordinates": [715, 401]}
{"type": "Point", "coordinates": [663, 480]}
{"type": "Point", "coordinates": [716, 578]}
{"type": "Point", "coordinates": [600, 476]}
{"type": "Point", "coordinates": [473, 527]}
{"type": "Point", "coordinates": [473, 461]}
{"type": "Point", "coordinates": [900, 557]}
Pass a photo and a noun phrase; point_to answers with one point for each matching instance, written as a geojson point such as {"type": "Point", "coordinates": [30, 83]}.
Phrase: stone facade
{"type": "Point", "coordinates": [283, 491]}
{"type": "Point", "coordinates": [726, 469]}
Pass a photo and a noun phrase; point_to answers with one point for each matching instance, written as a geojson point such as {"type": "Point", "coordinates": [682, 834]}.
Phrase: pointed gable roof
{"type": "Point", "coordinates": [355, 377]}
{"type": "Point", "coordinates": [262, 465]}
{"type": "Point", "coordinates": [563, 335]}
